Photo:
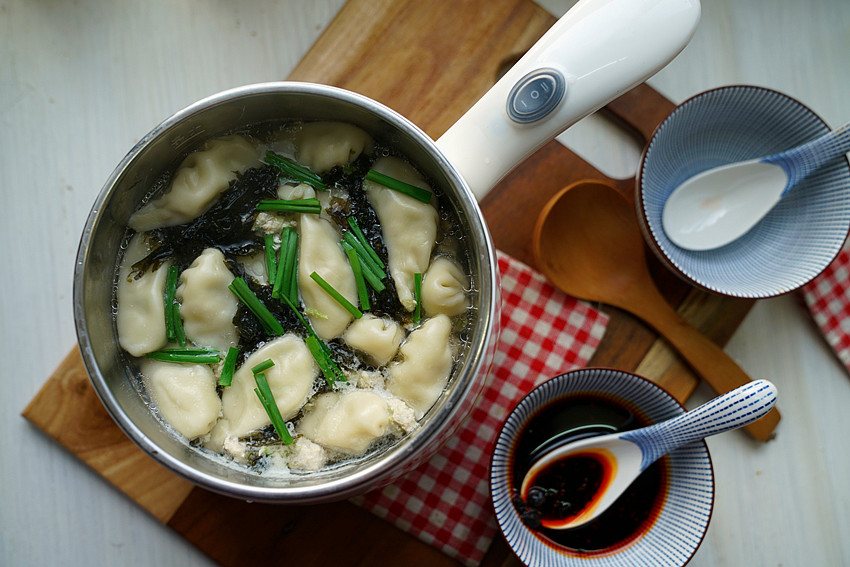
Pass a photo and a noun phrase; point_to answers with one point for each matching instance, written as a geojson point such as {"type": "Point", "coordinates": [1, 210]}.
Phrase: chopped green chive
{"type": "Point", "coordinates": [264, 392]}
{"type": "Point", "coordinates": [293, 279]}
{"type": "Point", "coordinates": [417, 193]}
{"type": "Point", "coordinates": [285, 280]}
{"type": "Point", "coordinates": [179, 335]}
{"type": "Point", "coordinates": [263, 366]}
{"type": "Point", "coordinates": [323, 354]}
{"type": "Point", "coordinates": [241, 290]}
{"type": "Point", "coordinates": [321, 359]}
{"type": "Point", "coordinates": [337, 296]}
{"type": "Point", "coordinates": [352, 222]}
{"type": "Point", "coordinates": [294, 171]}
{"type": "Point", "coordinates": [371, 271]}
{"type": "Point", "coordinates": [173, 323]}
{"type": "Point", "coordinates": [297, 314]}
{"type": "Point", "coordinates": [312, 206]}
{"type": "Point", "coordinates": [226, 378]}
{"type": "Point", "coordinates": [417, 295]}
{"type": "Point", "coordinates": [170, 293]}
{"type": "Point", "coordinates": [362, 292]}
{"type": "Point", "coordinates": [335, 369]}
{"type": "Point", "coordinates": [365, 270]}
{"type": "Point", "coordinates": [271, 260]}
{"type": "Point", "coordinates": [370, 277]}
{"type": "Point", "coordinates": [187, 355]}
{"type": "Point", "coordinates": [285, 236]}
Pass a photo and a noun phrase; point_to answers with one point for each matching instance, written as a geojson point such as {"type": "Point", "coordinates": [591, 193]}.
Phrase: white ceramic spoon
{"type": "Point", "coordinates": [629, 453]}
{"type": "Point", "coordinates": [718, 206]}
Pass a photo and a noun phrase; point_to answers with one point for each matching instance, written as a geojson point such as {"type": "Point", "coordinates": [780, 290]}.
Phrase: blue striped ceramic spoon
{"type": "Point", "coordinates": [615, 460]}
{"type": "Point", "coordinates": [718, 206]}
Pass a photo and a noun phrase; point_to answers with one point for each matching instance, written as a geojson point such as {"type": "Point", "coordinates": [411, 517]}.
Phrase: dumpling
{"type": "Point", "coordinates": [444, 288]}
{"type": "Point", "coordinates": [183, 394]}
{"type": "Point", "coordinates": [141, 302]}
{"type": "Point", "coordinates": [324, 145]}
{"type": "Point", "coordinates": [199, 180]}
{"type": "Point", "coordinates": [321, 252]}
{"type": "Point", "coordinates": [422, 374]}
{"type": "Point", "coordinates": [377, 337]}
{"type": "Point", "coordinates": [346, 421]}
{"type": "Point", "coordinates": [290, 379]}
{"type": "Point", "coordinates": [207, 305]}
{"type": "Point", "coordinates": [409, 226]}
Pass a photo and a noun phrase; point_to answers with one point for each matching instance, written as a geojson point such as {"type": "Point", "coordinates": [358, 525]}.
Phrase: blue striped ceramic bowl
{"type": "Point", "coordinates": [795, 241]}
{"type": "Point", "coordinates": [680, 523]}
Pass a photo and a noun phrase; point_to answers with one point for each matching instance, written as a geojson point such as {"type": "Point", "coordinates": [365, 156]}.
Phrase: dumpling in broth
{"type": "Point", "coordinates": [420, 377]}
{"type": "Point", "coordinates": [325, 145]}
{"type": "Point", "coordinates": [409, 226]}
{"type": "Point", "coordinates": [207, 305]}
{"type": "Point", "coordinates": [379, 338]}
{"type": "Point", "coordinates": [199, 180]}
{"type": "Point", "coordinates": [321, 252]}
{"type": "Point", "coordinates": [346, 421]}
{"type": "Point", "coordinates": [444, 288]}
{"type": "Point", "coordinates": [184, 395]}
{"type": "Point", "coordinates": [141, 304]}
{"type": "Point", "coordinates": [290, 379]}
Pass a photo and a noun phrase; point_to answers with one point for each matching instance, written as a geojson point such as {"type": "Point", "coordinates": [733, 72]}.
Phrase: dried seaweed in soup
{"type": "Point", "coordinates": [227, 225]}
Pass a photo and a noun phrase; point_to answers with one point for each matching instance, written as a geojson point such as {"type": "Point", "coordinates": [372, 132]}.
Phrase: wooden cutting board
{"type": "Point", "coordinates": [430, 61]}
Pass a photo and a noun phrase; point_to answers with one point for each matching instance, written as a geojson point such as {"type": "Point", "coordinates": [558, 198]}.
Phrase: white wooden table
{"type": "Point", "coordinates": [82, 81]}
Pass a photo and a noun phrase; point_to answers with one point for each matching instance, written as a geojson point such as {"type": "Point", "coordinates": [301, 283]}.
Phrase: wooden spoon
{"type": "Point", "coordinates": [587, 243]}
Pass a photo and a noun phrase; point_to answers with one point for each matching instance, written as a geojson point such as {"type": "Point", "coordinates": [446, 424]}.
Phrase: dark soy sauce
{"type": "Point", "coordinates": [564, 488]}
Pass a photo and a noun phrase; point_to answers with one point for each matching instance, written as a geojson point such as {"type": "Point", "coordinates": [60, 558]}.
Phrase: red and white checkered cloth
{"type": "Point", "coordinates": [446, 501]}
{"type": "Point", "coordinates": [828, 299]}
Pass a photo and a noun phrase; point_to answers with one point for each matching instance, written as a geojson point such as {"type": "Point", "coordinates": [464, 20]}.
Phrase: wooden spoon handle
{"type": "Point", "coordinates": [704, 356]}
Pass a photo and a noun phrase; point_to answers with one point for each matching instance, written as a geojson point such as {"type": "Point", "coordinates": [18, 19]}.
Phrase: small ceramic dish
{"type": "Point", "coordinates": [675, 525]}
{"type": "Point", "coordinates": [795, 241]}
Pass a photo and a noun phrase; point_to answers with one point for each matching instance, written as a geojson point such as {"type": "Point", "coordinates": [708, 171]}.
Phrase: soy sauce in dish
{"type": "Point", "coordinates": [565, 487]}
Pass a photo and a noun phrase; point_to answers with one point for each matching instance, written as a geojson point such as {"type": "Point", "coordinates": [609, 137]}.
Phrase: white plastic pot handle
{"type": "Point", "coordinates": [594, 53]}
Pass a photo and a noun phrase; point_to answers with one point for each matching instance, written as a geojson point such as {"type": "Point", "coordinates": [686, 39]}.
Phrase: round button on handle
{"type": "Point", "coordinates": [536, 95]}
{"type": "Point", "coordinates": [602, 48]}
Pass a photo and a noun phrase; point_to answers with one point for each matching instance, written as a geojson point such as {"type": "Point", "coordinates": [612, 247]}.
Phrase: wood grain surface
{"type": "Point", "coordinates": [430, 61]}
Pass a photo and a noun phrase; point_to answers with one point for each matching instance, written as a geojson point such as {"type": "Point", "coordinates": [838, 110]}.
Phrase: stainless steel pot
{"type": "Point", "coordinates": [600, 49]}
